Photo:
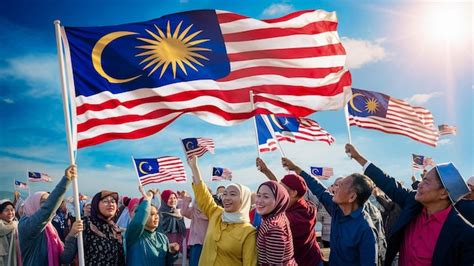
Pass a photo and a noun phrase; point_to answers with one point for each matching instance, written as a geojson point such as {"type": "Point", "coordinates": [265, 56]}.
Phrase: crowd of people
{"type": "Point", "coordinates": [367, 218]}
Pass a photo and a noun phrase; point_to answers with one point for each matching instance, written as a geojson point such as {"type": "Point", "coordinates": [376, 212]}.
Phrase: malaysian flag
{"type": "Point", "coordinates": [378, 111]}
{"type": "Point", "coordinates": [197, 146]}
{"type": "Point", "coordinates": [447, 130]}
{"type": "Point", "coordinates": [132, 80]}
{"type": "Point", "coordinates": [323, 173]}
{"type": "Point", "coordinates": [219, 174]}
{"type": "Point", "coordinates": [39, 177]}
{"type": "Point", "coordinates": [421, 162]}
{"type": "Point", "coordinates": [166, 168]}
{"type": "Point", "coordinates": [20, 185]}
{"type": "Point", "coordinates": [288, 129]}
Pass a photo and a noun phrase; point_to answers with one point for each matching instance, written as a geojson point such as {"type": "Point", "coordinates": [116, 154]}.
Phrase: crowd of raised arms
{"type": "Point", "coordinates": [367, 218]}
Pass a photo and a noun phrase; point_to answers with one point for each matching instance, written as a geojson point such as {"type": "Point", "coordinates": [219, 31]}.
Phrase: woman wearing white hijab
{"type": "Point", "coordinates": [230, 238]}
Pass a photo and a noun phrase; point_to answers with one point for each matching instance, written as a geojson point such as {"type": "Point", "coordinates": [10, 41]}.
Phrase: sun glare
{"type": "Point", "coordinates": [444, 22]}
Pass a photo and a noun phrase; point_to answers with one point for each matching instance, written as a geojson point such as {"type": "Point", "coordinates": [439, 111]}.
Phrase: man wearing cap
{"type": "Point", "coordinates": [429, 231]}
{"type": "Point", "coordinates": [302, 217]}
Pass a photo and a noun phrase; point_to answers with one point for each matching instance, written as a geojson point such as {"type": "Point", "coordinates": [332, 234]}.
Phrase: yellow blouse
{"type": "Point", "coordinates": [224, 244]}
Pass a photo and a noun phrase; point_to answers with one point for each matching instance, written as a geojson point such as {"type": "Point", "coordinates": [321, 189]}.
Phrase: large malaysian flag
{"type": "Point", "coordinates": [132, 80]}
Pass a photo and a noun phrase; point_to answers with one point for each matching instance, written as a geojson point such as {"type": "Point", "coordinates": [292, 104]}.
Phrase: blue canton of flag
{"type": "Point", "coordinates": [166, 168]}
{"type": "Point", "coordinates": [322, 172]}
{"type": "Point", "coordinates": [288, 129]}
{"type": "Point", "coordinates": [21, 185]}
{"type": "Point", "coordinates": [219, 173]}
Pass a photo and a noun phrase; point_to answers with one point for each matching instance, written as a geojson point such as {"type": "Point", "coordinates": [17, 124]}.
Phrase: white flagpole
{"type": "Point", "coordinates": [136, 171]}
{"type": "Point", "coordinates": [255, 123]}
{"type": "Point", "coordinates": [346, 113]}
{"type": "Point", "coordinates": [67, 121]}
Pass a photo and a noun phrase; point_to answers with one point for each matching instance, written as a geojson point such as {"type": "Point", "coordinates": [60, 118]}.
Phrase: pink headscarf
{"type": "Point", "coordinates": [55, 245]}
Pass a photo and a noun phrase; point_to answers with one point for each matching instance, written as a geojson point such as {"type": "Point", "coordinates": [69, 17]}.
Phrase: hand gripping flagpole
{"type": "Point", "coordinates": [254, 123]}
{"type": "Point", "coordinates": [67, 121]}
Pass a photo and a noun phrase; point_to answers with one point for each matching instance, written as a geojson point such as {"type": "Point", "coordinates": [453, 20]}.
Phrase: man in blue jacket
{"type": "Point", "coordinates": [429, 231]}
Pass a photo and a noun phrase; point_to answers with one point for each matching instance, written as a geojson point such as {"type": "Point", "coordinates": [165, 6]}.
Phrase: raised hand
{"type": "Point", "coordinates": [76, 227]}
{"type": "Point", "coordinates": [287, 163]}
{"type": "Point", "coordinates": [147, 196]}
{"type": "Point", "coordinates": [71, 172]}
{"type": "Point", "coordinates": [354, 154]}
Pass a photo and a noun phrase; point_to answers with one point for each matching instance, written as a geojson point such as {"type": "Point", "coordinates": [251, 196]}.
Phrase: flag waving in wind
{"type": "Point", "coordinates": [132, 80]}
{"type": "Point", "coordinates": [20, 185]}
{"type": "Point", "coordinates": [322, 172]}
{"type": "Point", "coordinates": [39, 177]}
{"type": "Point", "coordinates": [197, 146]}
{"type": "Point", "coordinates": [373, 110]}
{"type": "Point", "coordinates": [447, 130]}
{"type": "Point", "coordinates": [421, 162]}
{"type": "Point", "coordinates": [219, 174]}
{"type": "Point", "coordinates": [288, 129]}
{"type": "Point", "coordinates": [157, 170]}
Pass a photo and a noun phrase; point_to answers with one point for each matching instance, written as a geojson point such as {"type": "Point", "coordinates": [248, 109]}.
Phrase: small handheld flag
{"type": "Point", "coordinates": [421, 162]}
{"type": "Point", "coordinates": [157, 170]}
{"type": "Point", "coordinates": [323, 173]}
{"type": "Point", "coordinates": [20, 185]}
{"type": "Point", "coordinates": [219, 174]}
{"type": "Point", "coordinates": [373, 110]}
{"type": "Point", "coordinates": [288, 129]}
{"type": "Point", "coordinates": [39, 177]}
{"type": "Point", "coordinates": [447, 130]}
{"type": "Point", "coordinates": [197, 146]}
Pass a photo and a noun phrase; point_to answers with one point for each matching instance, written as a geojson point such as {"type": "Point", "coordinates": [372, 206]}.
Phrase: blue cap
{"type": "Point", "coordinates": [452, 181]}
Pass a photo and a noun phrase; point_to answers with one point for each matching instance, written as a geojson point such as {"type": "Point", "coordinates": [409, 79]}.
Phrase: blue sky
{"type": "Point", "coordinates": [417, 51]}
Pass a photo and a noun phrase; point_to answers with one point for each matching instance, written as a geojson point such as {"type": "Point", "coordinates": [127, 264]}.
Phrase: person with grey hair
{"type": "Point", "coordinates": [429, 231]}
{"type": "Point", "coordinates": [353, 235]}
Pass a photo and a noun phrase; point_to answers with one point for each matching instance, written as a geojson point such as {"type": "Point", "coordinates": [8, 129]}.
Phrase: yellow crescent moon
{"type": "Point", "coordinates": [140, 168]}
{"type": "Point", "coordinates": [189, 143]}
{"type": "Point", "coordinates": [351, 101]}
{"type": "Point", "coordinates": [97, 55]}
{"type": "Point", "coordinates": [275, 121]}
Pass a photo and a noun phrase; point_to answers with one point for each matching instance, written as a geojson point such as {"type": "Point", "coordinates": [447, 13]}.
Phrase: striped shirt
{"type": "Point", "coordinates": [275, 242]}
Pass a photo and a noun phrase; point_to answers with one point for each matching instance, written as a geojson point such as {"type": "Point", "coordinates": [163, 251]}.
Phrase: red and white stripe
{"type": "Point", "coordinates": [296, 63]}
{"type": "Point", "coordinates": [309, 130]}
{"type": "Point", "coordinates": [226, 175]}
{"type": "Point", "coordinates": [203, 145]}
{"type": "Point", "coordinates": [402, 119]}
{"type": "Point", "coordinates": [447, 130]}
{"type": "Point", "coordinates": [170, 169]}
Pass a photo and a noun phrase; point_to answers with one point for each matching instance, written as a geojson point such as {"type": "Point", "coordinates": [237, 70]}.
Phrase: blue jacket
{"type": "Point", "coordinates": [32, 236]}
{"type": "Point", "coordinates": [353, 236]}
{"type": "Point", "coordinates": [455, 245]}
{"type": "Point", "coordinates": [466, 209]}
{"type": "Point", "coordinates": [145, 247]}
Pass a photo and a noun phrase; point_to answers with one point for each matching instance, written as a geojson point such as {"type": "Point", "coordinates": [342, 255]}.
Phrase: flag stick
{"type": "Point", "coordinates": [28, 180]}
{"type": "Point", "coordinates": [184, 148]}
{"type": "Point", "coordinates": [67, 122]}
{"type": "Point", "coordinates": [254, 123]}
{"type": "Point", "coordinates": [136, 171]}
{"type": "Point", "coordinates": [346, 113]}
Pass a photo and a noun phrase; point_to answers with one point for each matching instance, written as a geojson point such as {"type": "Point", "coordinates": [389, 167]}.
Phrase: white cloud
{"type": "Point", "coordinates": [277, 10]}
{"type": "Point", "coordinates": [7, 100]}
{"type": "Point", "coordinates": [361, 52]}
{"type": "Point", "coordinates": [419, 99]}
{"type": "Point", "coordinates": [40, 72]}
{"type": "Point", "coordinates": [443, 142]}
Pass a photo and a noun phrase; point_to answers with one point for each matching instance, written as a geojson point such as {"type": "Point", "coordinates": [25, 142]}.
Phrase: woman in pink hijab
{"type": "Point", "coordinates": [39, 241]}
